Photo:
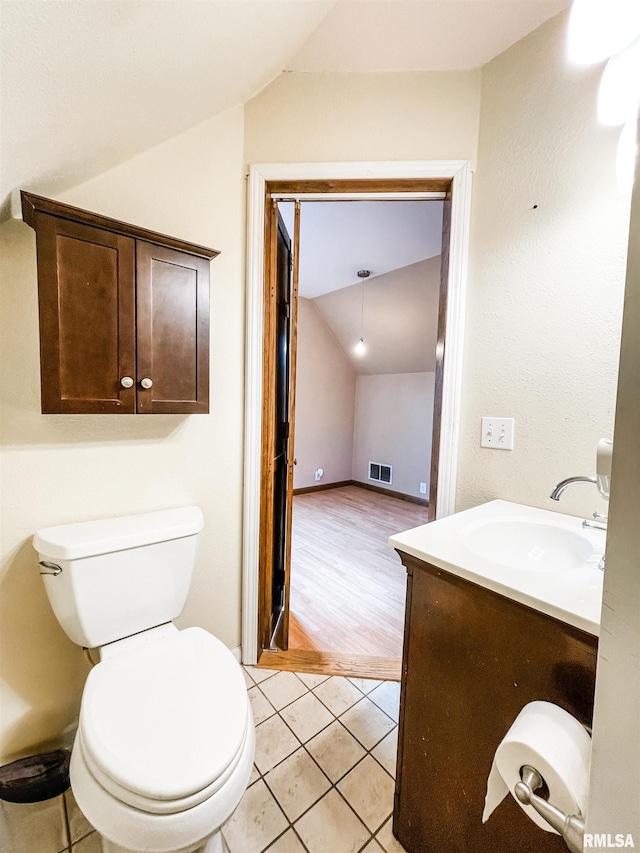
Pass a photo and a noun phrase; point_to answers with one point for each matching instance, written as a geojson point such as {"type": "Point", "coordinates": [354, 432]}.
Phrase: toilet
{"type": "Point", "coordinates": [165, 741]}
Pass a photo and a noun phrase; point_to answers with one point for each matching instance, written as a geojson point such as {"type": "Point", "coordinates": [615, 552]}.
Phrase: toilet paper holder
{"type": "Point", "coordinates": [570, 827]}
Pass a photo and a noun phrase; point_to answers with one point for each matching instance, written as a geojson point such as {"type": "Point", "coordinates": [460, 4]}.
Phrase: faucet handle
{"type": "Point", "coordinates": [600, 517]}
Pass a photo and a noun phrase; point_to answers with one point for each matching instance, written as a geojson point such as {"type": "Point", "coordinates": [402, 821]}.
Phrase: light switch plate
{"type": "Point", "coordinates": [497, 433]}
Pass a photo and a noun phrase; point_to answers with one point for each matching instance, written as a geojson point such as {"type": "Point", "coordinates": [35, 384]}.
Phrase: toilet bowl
{"type": "Point", "coordinates": [165, 741]}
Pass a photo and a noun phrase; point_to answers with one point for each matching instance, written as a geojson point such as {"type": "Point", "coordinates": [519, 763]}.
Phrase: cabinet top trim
{"type": "Point", "coordinates": [34, 203]}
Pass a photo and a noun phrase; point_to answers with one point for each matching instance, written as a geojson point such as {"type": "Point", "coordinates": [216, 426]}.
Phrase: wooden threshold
{"type": "Point", "coordinates": [330, 663]}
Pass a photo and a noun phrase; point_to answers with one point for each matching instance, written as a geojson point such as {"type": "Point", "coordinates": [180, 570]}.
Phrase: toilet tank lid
{"type": "Point", "coordinates": [105, 535]}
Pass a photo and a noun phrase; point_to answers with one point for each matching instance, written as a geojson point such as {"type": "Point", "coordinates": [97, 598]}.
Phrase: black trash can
{"type": "Point", "coordinates": [36, 778]}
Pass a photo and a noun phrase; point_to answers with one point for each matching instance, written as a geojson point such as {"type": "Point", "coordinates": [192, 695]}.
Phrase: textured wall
{"type": "Point", "coordinates": [545, 284]}
{"type": "Point", "coordinates": [325, 117]}
{"type": "Point", "coordinates": [325, 400]}
{"type": "Point", "coordinates": [393, 423]}
{"type": "Point", "coordinates": [61, 468]}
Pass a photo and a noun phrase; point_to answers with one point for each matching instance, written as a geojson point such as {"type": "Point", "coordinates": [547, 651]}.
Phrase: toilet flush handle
{"type": "Point", "coordinates": [54, 567]}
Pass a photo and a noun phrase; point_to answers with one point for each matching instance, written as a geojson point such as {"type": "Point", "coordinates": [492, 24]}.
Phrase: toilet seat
{"type": "Point", "coordinates": [162, 727]}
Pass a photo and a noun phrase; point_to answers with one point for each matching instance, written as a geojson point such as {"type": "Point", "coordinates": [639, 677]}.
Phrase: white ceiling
{"type": "Point", "coordinates": [339, 238]}
{"type": "Point", "coordinates": [419, 35]}
{"type": "Point", "coordinates": [87, 85]}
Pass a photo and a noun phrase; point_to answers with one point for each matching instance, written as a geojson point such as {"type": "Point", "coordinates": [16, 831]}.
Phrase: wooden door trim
{"type": "Point", "coordinates": [367, 185]}
{"type": "Point", "coordinates": [265, 564]}
{"type": "Point", "coordinates": [262, 179]}
{"type": "Point", "coordinates": [293, 352]}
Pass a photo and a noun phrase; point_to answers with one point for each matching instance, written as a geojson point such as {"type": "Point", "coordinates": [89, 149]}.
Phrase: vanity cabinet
{"type": "Point", "coordinates": [124, 315]}
{"type": "Point", "coordinates": [472, 660]}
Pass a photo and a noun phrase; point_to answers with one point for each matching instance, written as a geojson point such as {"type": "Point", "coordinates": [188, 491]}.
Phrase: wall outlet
{"type": "Point", "coordinates": [423, 488]}
{"type": "Point", "coordinates": [319, 473]}
{"type": "Point", "coordinates": [497, 433]}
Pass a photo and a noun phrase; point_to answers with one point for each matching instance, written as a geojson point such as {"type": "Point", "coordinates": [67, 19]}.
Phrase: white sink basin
{"type": "Point", "coordinates": [545, 560]}
{"type": "Point", "coordinates": [531, 546]}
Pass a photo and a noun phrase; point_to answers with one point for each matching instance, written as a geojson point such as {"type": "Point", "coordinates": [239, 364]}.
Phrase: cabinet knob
{"type": "Point", "coordinates": [146, 383]}
{"type": "Point", "coordinates": [126, 382]}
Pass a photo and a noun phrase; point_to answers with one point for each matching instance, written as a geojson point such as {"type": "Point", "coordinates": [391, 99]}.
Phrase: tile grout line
{"type": "Point", "coordinates": [324, 728]}
{"type": "Point", "coordinates": [312, 689]}
{"type": "Point", "coordinates": [372, 834]}
{"type": "Point", "coordinates": [65, 822]}
{"type": "Point", "coordinates": [332, 785]}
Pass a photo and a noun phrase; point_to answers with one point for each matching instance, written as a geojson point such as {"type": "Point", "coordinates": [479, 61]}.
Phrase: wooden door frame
{"type": "Point", "coordinates": [331, 179]}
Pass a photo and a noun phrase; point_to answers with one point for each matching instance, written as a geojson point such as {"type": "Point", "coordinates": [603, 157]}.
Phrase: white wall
{"type": "Point", "coordinates": [59, 469]}
{"type": "Point", "coordinates": [325, 400]}
{"type": "Point", "coordinates": [393, 424]}
{"type": "Point", "coordinates": [545, 284]}
{"type": "Point", "coordinates": [324, 117]}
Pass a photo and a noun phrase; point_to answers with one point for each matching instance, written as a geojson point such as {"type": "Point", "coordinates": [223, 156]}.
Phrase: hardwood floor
{"type": "Point", "coordinates": [348, 585]}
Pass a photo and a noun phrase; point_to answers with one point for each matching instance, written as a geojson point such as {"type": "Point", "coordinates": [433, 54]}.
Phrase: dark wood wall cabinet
{"type": "Point", "coordinates": [124, 315]}
{"type": "Point", "coordinates": [472, 660]}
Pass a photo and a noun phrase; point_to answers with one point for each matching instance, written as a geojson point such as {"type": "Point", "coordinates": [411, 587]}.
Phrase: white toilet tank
{"type": "Point", "coordinates": [120, 575]}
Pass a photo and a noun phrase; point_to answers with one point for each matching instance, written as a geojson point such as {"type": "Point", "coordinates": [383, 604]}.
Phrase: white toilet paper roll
{"type": "Point", "coordinates": [557, 746]}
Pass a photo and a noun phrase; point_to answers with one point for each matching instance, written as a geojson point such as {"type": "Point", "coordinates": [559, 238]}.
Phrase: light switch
{"type": "Point", "coordinates": [497, 433]}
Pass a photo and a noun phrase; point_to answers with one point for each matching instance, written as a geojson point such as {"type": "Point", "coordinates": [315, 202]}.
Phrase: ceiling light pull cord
{"type": "Point", "coordinates": [360, 346]}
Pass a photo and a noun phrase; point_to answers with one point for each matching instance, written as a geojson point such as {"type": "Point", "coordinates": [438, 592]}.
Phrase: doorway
{"type": "Point", "coordinates": [364, 410]}
{"type": "Point", "coordinates": [456, 189]}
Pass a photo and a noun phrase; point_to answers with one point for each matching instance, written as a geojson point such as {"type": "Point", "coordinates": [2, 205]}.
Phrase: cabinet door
{"type": "Point", "coordinates": [172, 307]}
{"type": "Point", "coordinates": [472, 660]}
{"type": "Point", "coordinates": [87, 323]}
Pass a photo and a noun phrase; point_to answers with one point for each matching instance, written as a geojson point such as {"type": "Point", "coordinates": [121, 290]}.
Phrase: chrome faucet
{"type": "Point", "coordinates": [599, 521]}
{"type": "Point", "coordinates": [563, 484]}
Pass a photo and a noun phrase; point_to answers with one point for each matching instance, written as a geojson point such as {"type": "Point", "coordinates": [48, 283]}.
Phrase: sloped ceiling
{"type": "Point", "coordinates": [413, 35]}
{"type": "Point", "coordinates": [88, 84]}
{"type": "Point", "coordinates": [400, 319]}
{"type": "Point", "coordinates": [339, 238]}
{"type": "Point", "coordinates": [400, 242]}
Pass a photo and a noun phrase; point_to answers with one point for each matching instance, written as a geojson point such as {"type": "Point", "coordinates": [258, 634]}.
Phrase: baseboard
{"type": "Point", "coordinates": [399, 495]}
{"type": "Point", "coordinates": [321, 487]}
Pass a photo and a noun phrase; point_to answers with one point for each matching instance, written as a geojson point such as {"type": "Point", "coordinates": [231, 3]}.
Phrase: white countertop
{"type": "Point", "coordinates": [573, 595]}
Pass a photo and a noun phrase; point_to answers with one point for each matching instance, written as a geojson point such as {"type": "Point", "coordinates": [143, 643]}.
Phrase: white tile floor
{"type": "Point", "coordinates": [323, 780]}
{"type": "Point", "coordinates": [324, 767]}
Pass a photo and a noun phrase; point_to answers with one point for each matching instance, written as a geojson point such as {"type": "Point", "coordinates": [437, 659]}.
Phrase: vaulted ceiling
{"type": "Point", "coordinates": [395, 310]}
{"type": "Point", "coordinates": [339, 238]}
{"type": "Point", "coordinates": [87, 85]}
{"type": "Point", "coordinates": [399, 323]}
